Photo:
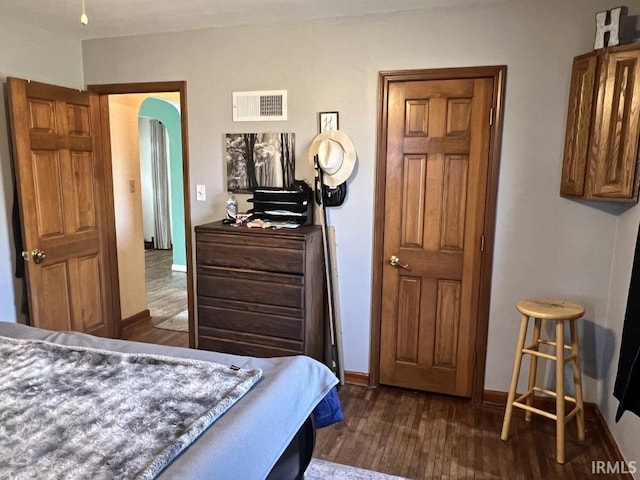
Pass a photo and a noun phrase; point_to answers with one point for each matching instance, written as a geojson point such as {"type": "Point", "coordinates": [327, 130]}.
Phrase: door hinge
{"type": "Point", "coordinates": [475, 356]}
{"type": "Point", "coordinates": [491, 116]}
{"type": "Point", "coordinates": [482, 243]}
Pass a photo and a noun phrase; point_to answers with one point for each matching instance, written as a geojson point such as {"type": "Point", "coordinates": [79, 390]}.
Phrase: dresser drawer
{"type": "Point", "coordinates": [253, 287]}
{"type": "Point", "coordinates": [247, 349]}
{"type": "Point", "coordinates": [251, 253]}
{"type": "Point", "coordinates": [254, 322]}
{"type": "Point", "coordinates": [246, 343]}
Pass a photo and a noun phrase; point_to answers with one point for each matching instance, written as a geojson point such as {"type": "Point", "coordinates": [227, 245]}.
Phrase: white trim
{"type": "Point", "coordinates": [179, 268]}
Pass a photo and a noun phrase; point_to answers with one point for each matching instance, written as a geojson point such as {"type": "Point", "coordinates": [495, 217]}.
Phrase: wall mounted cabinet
{"type": "Point", "coordinates": [603, 126]}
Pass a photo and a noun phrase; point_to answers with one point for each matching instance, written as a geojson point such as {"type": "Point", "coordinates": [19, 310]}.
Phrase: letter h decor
{"type": "Point", "coordinates": [613, 27]}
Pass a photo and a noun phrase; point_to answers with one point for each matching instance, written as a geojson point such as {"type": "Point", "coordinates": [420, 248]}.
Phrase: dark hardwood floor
{"type": "Point", "coordinates": [166, 297]}
{"type": "Point", "coordinates": [428, 436]}
{"type": "Point", "coordinates": [407, 433]}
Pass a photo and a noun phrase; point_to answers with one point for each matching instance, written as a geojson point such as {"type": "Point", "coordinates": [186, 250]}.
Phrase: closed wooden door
{"type": "Point", "coordinates": [62, 190]}
{"type": "Point", "coordinates": [437, 150]}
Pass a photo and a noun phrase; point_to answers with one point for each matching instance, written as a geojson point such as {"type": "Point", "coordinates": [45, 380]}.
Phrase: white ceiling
{"type": "Point", "coordinates": [113, 18]}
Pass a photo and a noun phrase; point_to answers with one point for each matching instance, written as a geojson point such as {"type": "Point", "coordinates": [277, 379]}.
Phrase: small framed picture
{"type": "Point", "coordinates": [327, 121]}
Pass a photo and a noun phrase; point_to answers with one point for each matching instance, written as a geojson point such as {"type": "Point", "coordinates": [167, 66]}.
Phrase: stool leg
{"type": "Point", "coordinates": [514, 378]}
{"type": "Point", "coordinates": [533, 368]}
{"type": "Point", "coordinates": [560, 414]}
{"type": "Point", "coordinates": [577, 380]}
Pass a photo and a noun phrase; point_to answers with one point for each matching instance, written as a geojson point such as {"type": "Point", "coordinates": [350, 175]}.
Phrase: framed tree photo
{"type": "Point", "coordinates": [327, 121]}
{"type": "Point", "coordinates": [260, 160]}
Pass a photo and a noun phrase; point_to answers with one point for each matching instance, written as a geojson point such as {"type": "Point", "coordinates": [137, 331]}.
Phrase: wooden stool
{"type": "Point", "coordinates": [560, 311]}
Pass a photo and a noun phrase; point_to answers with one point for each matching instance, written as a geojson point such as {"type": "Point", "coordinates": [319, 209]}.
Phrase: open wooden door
{"type": "Point", "coordinates": [63, 190]}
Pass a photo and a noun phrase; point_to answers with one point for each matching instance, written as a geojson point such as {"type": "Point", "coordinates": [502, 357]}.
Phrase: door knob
{"type": "Point", "coordinates": [38, 256]}
{"type": "Point", "coordinates": [395, 262]}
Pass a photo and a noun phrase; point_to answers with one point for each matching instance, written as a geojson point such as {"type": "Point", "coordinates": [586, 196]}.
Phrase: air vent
{"type": "Point", "coordinates": [259, 106]}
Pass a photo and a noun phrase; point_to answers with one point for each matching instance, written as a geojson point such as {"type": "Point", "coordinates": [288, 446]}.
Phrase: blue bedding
{"type": "Point", "coordinates": [328, 411]}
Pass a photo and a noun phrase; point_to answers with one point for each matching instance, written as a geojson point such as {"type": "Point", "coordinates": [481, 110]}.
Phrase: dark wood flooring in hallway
{"type": "Point", "coordinates": [166, 297]}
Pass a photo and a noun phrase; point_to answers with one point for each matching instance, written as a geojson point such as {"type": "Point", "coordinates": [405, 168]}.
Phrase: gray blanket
{"type": "Point", "coordinates": [83, 413]}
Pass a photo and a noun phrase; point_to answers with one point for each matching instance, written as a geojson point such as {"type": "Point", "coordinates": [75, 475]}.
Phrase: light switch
{"type": "Point", "coordinates": [201, 194]}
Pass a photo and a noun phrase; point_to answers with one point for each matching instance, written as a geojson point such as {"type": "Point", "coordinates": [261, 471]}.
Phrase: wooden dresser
{"type": "Point", "coordinates": [260, 291]}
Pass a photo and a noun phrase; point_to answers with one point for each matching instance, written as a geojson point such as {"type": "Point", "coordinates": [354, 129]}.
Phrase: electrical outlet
{"type": "Point", "coordinates": [132, 186]}
{"type": "Point", "coordinates": [201, 194]}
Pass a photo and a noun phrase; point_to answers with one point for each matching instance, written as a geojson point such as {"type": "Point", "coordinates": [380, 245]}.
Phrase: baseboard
{"type": "Point", "coordinates": [357, 378]}
{"type": "Point", "coordinates": [178, 268]}
{"type": "Point", "coordinates": [135, 319]}
{"type": "Point", "coordinates": [591, 413]}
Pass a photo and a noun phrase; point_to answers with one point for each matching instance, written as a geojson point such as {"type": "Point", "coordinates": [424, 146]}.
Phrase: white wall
{"type": "Point", "coordinates": [627, 431]}
{"type": "Point", "coordinates": [32, 53]}
{"type": "Point", "coordinates": [125, 158]}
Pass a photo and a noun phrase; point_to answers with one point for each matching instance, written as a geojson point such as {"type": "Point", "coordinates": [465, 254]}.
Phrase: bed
{"type": "Point", "coordinates": [266, 434]}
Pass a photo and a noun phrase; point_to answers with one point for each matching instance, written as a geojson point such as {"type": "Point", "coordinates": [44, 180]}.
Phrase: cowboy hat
{"type": "Point", "coordinates": [336, 156]}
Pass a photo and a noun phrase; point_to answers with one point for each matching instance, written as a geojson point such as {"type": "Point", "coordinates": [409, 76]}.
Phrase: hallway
{"type": "Point", "coordinates": [166, 297]}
